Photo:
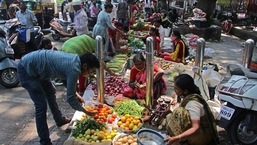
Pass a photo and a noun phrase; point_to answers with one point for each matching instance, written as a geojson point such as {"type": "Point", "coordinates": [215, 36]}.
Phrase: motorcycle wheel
{"type": "Point", "coordinates": [238, 132]}
{"type": "Point", "coordinates": [9, 78]}
{"type": "Point", "coordinates": [56, 37]}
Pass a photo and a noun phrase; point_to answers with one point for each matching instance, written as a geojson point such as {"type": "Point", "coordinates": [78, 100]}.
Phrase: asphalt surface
{"type": "Point", "coordinates": [17, 110]}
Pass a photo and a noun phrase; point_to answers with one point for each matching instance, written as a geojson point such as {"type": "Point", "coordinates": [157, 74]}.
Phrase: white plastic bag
{"type": "Point", "coordinates": [88, 95]}
{"type": "Point", "coordinates": [215, 107]}
{"type": "Point", "coordinates": [201, 84]}
{"type": "Point", "coordinates": [212, 77]}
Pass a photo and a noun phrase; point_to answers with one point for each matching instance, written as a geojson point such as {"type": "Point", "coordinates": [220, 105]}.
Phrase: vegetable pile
{"type": "Point", "coordinates": [129, 124]}
{"type": "Point", "coordinates": [113, 86]}
{"type": "Point", "coordinates": [83, 125]}
{"type": "Point", "coordinates": [130, 107]}
{"type": "Point", "coordinates": [136, 43]}
{"type": "Point", "coordinates": [104, 113]}
{"type": "Point", "coordinates": [126, 139]}
{"type": "Point", "coordinates": [117, 64]}
{"type": "Point", "coordinates": [90, 131]}
{"type": "Point", "coordinates": [165, 65]}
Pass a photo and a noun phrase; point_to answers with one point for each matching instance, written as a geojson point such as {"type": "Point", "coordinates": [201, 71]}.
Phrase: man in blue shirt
{"type": "Point", "coordinates": [35, 70]}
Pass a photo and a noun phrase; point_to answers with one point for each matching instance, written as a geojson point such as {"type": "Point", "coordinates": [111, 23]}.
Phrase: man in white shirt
{"type": "Point", "coordinates": [27, 19]}
{"type": "Point", "coordinates": [80, 19]}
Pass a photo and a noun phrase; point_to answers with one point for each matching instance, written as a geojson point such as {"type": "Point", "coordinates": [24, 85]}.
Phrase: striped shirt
{"type": "Point", "coordinates": [79, 45]}
{"type": "Point", "coordinates": [46, 64]}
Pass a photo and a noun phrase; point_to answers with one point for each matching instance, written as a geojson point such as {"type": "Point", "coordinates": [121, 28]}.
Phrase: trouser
{"type": "Point", "coordinates": [42, 92]}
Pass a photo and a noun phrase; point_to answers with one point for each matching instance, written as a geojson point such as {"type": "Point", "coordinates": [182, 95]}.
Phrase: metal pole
{"type": "Point", "coordinates": [149, 72]}
{"type": "Point", "coordinates": [248, 52]}
{"type": "Point", "coordinates": [100, 71]}
{"type": "Point", "coordinates": [200, 53]}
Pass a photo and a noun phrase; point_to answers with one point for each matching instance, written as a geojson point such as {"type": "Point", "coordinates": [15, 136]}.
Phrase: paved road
{"type": "Point", "coordinates": [17, 111]}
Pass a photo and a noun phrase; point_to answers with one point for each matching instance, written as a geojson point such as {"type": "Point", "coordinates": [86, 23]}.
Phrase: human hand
{"type": "Point", "coordinates": [91, 113]}
{"type": "Point", "coordinates": [170, 140]}
{"type": "Point", "coordinates": [79, 98]}
{"type": "Point", "coordinates": [142, 85]}
{"type": "Point", "coordinates": [137, 85]}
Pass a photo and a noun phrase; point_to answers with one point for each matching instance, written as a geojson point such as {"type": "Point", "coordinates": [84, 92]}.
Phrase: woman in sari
{"type": "Point", "coordinates": [179, 47]}
{"type": "Point", "coordinates": [192, 122]}
{"type": "Point", "coordinates": [102, 25]}
{"type": "Point", "coordinates": [137, 82]}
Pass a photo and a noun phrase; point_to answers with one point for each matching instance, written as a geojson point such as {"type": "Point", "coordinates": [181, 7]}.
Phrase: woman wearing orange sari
{"type": "Point", "coordinates": [137, 83]}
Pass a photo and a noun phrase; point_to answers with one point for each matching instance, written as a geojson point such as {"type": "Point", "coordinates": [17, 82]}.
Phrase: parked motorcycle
{"type": "Point", "coordinates": [239, 114]}
{"type": "Point", "coordinates": [13, 28]}
{"type": "Point", "coordinates": [60, 28]}
{"type": "Point", "coordinates": [8, 66]}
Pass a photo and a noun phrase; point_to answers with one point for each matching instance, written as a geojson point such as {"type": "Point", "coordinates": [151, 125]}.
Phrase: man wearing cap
{"type": "Point", "coordinates": [80, 19]}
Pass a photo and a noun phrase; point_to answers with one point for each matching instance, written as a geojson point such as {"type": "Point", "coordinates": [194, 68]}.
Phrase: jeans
{"type": "Point", "coordinates": [42, 92]}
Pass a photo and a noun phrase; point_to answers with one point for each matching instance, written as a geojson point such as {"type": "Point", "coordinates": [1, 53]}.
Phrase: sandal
{"type": "Point", "coordinates": [64, 121]}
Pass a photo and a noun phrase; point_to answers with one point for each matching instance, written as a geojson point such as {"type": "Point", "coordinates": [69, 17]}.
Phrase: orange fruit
{"type": "Point", "coordinates": [128, 120]}
{"type": "Point", "coordinates": [135, 122]}
{"type": "Point", "coordinates": [123, 119]}
{"type": "Point", "coordinates": [122, 126]}
{"type": "Point", "coordinates": [119, 123]}
{"type": "Point", "coordinates": [131, 126]}
{"type": "Point", "coordinates": [126, 128]}
{"type": "Point", "coordinates": [135, 128]}
{"type": "Point", "coordinates": [127, 115]}
{"type": "Point", "coordinates": [136, 117]}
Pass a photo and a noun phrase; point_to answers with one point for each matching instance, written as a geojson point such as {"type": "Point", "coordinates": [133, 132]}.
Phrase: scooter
{"type": "Point", "coordinates": [8, 66]}
{"type": "Point", "coordinates": [60, 28]}
{"type": "Point", "coordinates": [12, 27]}
{"type": "Point", "coordinates": [239, 114]}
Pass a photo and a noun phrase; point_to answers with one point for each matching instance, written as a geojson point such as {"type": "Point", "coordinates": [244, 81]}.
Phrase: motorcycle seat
{"type": "Point", "coordinates": [246, 71]}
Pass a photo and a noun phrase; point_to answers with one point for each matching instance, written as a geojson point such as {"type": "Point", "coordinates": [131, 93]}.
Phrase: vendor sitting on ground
{"type": "Point", "coordinates": [137, 82]}
{"type": "Point", "coordinates": [153, 32]}
{"type": "Point", "coordinates": [192, 122]}
{"type": "Point", "coordinates": [180, 50]}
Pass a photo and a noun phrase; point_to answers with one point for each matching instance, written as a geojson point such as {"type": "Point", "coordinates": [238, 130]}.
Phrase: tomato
{"type": "Point", "coordinates": [103, 120]}
{"type": "Point", "coordinates": [96, 116]}
{"type": "Point", "coordinates": [109, 120]}
{"type": "Point", "coordinates": [100, 105]}
{"type": "Point", "coordinates": [114, 116]}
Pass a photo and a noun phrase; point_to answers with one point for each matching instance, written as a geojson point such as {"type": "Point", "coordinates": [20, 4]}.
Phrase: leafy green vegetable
{"type": "Point", "coordinates": [83, 125]}
{"type": "Point", "coordinates": [140, 25]}
{"type": "Point", "coordinates": [130, 107]}
{"type": "Point", "coordinates": [136, 43]}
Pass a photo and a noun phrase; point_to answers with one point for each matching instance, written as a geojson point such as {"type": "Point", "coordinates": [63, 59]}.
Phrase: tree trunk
{"type": "Point", "coordinates": [208, 6]}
